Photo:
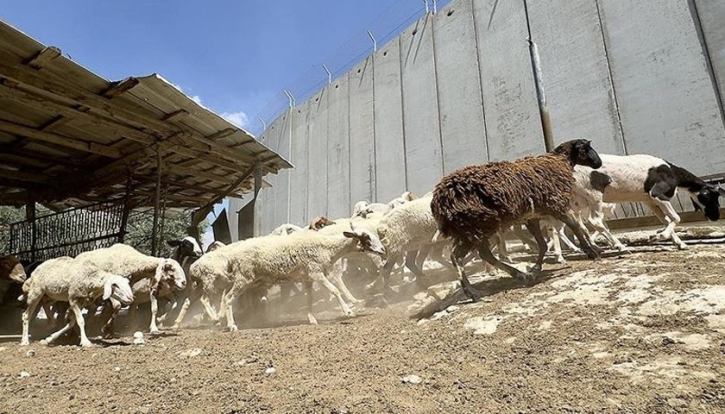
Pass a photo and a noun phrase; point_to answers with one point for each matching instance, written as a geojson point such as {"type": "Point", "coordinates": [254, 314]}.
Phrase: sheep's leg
{"type": "Point", "coordinates": [153, 328]}
{"type": "Point", "coordinates": [228, 303]}
{"type": "Point", "coordinates": [204, 299]}
{"type": "Point", "coordinates": [76, 310]}
{"type": "Point", "coordinates": [501, 245]}
{"type": "Point", "coordinates": [555, 241]}
{"type": "Point", "coordinates": [674, 219]}
{"type": "Point", "coordinates": [602, 228]}
{"type": "Point", "coordinates": [534, 227]}
{"type": "Point", "coordinates": [570, 244]}
{"type": "Point", "coordinates": [193, 296]}
{"type": "Point", "coordinates": [590, 249]}
{"type": "Point", "coordinates": [50, 317]}
{"type": "Point", "coordinates": [223, 304]}
{"type": "Point", "coordinates": [387, 268]}
{"type": "Point", "coordinates": [484, 250]}
{"type": "Point", "coordinates": [53, 337]}
{"type": "Point", "coordinates": [521, 234]}
{"type": "Point", "coordinates": [410, 264]}
{"type": "Point", "coordinates": [322, 278]}
{"type": "Point", "coordinates": [309, 291]}
{"type": "Point", "coordinates": [107, 330]}
{"type": "Point", "coordinates": [340, 283]}
{"type": "Point", "coordinates": [28, 315]}
{"type": "Point", "coordinates": [460, 250]}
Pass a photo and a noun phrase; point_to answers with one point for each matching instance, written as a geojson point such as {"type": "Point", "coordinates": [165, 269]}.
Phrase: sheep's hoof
{"type": "Point", "coordinates": [45, 341]}
{"type": "Point", "coordinates": [233, 328]}
{"type": "Point", "coordinates": [683, 246]}
{"type": "Point", "coordinates": [154, 332]}
{"type": "Point", "coordinates": [312, 320]}
{"type": "Point", "coordinates": [24, 342]}
{"type": "Point", "coordinates": [472, 294]}
{"type": "Point", "coordinates": [174, 327]}
{"type": "Point", "coordinates": [86, 344]}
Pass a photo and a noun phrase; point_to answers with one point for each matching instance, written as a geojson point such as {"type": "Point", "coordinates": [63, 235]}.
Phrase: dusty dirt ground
{"type": "Point", "coordinates": [641, 332]}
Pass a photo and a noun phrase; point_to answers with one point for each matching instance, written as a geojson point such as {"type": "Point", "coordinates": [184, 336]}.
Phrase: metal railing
{"type": "Point", "coordinates": [69, 232]}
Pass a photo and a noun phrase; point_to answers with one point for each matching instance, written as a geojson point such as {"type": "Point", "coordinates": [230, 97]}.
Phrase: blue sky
{"type": "Point", "coordinates": [236, 56]}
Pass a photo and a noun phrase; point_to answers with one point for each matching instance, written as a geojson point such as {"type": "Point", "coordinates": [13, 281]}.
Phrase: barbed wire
{"type": "Point", "coordinates": [384, 28]}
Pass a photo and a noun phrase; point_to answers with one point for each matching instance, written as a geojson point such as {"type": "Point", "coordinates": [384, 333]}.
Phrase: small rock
{"type": "Point", "coordinates": [143, 410]}
{"type": "Point", "coordinates": [53, 383]}
{"type": "Point", "coordinates": [270, 370]}
{"type": "Point", "coordinates": [24, 374]}
{"type": "Point", "coordinates": [453, 308]}
{"type": "Point", "coordinates": [117, 369]}
{"type": "Point", "coordinates": [411, 379]}
{"type": "Point", "coordinates": [138, 338]}
{"type": "Point", "coordinates": [190, 353]}
{"type": "Point", "coordinates": [2, 348]}
{"type": "Point", "coordinates": [30, 353]}
{"type": "Point", "coordinates": [677, 403]}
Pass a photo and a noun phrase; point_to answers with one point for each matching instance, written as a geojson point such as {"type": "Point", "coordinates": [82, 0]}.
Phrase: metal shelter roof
{"type": "Point", "coordinates": [69, 136]}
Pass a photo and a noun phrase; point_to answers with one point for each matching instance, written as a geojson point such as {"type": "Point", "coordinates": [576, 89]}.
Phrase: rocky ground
{"type": "Point", "coordinates": [641, 332]}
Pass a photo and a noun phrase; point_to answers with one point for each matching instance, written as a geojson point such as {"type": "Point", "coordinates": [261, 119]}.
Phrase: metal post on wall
{"type": "Point", "coordinates": [291, 98]}
{"type": "Point", "coordinates": [375, 42]}
{"type": "Point", "coordinates": [329, 74]}
{"type": "Point", "coordinates": [538, 81]}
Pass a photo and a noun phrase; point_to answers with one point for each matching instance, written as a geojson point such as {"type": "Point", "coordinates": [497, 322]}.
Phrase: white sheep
{"type": "Point", "coordinates": [194, 289]}
{"type": "Point", "coordinates": [285, 229]}
{"type": "Point", "coordinates": [150, 276]}
{"type": "Point", "coordinates": [404, 231]}
{"type": "Point", "coordinates": [262, 262]}
{"type": "Point", "coordinates": [70, 280]}
{"type": "Point", "coordinates": [363, 208]}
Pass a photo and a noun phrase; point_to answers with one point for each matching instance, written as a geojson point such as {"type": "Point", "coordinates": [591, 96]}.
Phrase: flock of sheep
{"type": "Point", "coordinates": [471, 209]}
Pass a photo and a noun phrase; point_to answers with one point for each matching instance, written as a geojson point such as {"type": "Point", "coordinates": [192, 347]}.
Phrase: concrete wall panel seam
{"type": "Point", "coordinates": [480, 77]}
{"type": "Point", "coordinates": [706, 54]}
{"type": "Point", "coordinates": [611, 78]}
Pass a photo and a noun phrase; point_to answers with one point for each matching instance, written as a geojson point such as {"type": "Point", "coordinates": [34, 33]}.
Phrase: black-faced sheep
{"type": "Point", "coordinates": [11, 269]}
{"type": "Point", "coordinates": [647, 179]}
{"type": "Point", "coordinates": [470, 205]}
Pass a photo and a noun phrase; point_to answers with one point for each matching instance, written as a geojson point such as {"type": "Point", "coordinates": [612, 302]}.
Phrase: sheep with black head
{"type": "Point", "coordinates": [470, 205]}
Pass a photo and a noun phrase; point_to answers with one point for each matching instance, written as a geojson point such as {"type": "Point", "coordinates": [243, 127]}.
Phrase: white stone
{"type": "Point", "coordinates": [411, 379]}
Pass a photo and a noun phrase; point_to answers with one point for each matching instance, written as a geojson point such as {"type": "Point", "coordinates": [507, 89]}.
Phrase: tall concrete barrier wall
{"type": "Point", "coordinates": [460, 87]}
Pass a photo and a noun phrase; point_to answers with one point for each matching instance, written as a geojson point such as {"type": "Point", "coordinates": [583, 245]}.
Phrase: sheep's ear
{"type": "Point", "coordinates": [173, 243]}
{"type": "Point", "coordinates": [107, 290]}
{"type": "Point", "coordinates": [349, 234]}
{"type": "Point", "coordinates": [721, 191]}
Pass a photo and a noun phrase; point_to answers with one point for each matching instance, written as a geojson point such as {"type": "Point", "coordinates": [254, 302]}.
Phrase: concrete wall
{"type": "Point", "coordinates": [458, 88]}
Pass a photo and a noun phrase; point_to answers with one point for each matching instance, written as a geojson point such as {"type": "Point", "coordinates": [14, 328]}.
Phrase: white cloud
{"type": "Point", "coordinates": [239, 119]}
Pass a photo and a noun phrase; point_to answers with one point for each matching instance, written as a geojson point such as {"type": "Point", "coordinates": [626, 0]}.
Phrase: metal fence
{"type": "Point", "coordinates": [69, 232]}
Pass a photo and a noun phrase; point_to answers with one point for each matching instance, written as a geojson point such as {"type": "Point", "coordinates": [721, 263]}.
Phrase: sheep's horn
{"type": "Point", "coordinates": [352, 227]}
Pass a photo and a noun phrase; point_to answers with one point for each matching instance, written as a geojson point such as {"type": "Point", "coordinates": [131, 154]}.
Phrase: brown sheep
{"type": "Point", "coordinates": [12, 269]}
{"type": "Point", "coordinates": [470, 205]}
{"type": "Point", "coordinates": [320, 223]}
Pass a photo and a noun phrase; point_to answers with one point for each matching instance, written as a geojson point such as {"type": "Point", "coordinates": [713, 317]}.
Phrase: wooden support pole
{"type": "Point", "coordinates": [30, 215]}
{"type": "Point", "coordinates": [157, 200]}
{"type": "Point", "coordinates": [126, 210]}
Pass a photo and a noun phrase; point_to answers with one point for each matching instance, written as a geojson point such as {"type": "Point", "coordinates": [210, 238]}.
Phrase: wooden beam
{"type": "Point", "coordinates": [23, 176]}
{"type": "Point", "coordinates": [120, 87]}
{"type": "Point", "coordinates": [176, 116]}
{"type": "Point", "coordinates": [55, 123]}
{"type": "Point", "coordinates": [221, 134]}
{"type": "Point", "coordinates": [44, 57]}
{"type": "Point", "coordinates": [29, 132]}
